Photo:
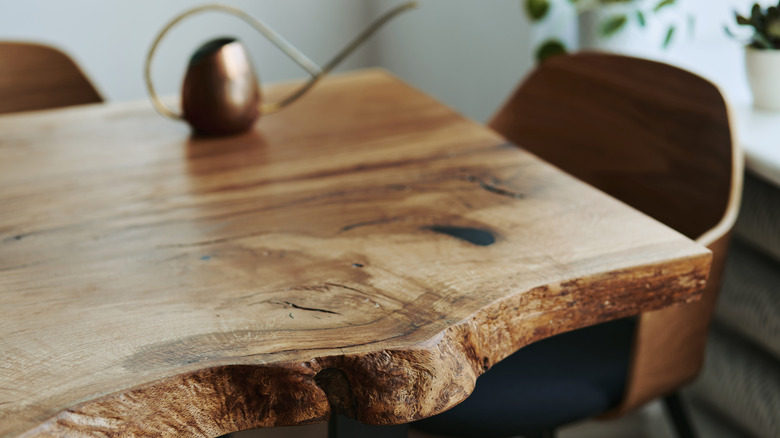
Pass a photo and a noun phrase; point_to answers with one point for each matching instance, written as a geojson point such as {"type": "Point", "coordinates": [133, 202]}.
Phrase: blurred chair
{"type": "Point", "coordinates": [657, 138]}
{"type": "Point", "coordinates": [34, 77]}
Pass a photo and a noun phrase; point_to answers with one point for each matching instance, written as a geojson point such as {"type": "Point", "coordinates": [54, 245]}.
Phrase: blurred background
{"type": "Point", "coordinates": [467, 53]}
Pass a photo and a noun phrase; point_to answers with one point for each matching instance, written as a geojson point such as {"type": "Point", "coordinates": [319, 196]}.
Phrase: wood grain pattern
{"type": "Point", "coordinates": [658, 138]}
{"type": "Point", "coordinates": [367, 250]}
{"type": "Point", "coordinates": [34, 77]}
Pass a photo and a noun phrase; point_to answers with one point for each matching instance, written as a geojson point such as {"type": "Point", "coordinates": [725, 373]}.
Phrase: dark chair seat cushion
{"type": "Point", "coordinates": [545, 385]}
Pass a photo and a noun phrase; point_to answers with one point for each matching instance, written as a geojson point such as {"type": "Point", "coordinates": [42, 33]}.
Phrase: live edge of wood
{"type": "Point", "coordinates": [367, 250]}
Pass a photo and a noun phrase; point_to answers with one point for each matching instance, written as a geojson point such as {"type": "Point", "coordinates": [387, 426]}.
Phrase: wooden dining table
{"type": "Point", "coordinates": [367, 252]}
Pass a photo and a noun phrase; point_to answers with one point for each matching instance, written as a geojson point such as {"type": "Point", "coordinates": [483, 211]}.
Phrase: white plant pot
{"type": "Point", "coordinates": [763, 71]}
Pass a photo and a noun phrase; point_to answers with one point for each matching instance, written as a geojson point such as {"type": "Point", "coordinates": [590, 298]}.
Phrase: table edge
{"type": "Point", "coordinates": [331, 383]}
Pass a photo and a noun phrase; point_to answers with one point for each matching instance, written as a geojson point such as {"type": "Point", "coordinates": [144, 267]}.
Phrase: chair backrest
{"type": "Point", "coordinates": [658, 138]}
{"type": "Point", "coordinates": [36, 77]}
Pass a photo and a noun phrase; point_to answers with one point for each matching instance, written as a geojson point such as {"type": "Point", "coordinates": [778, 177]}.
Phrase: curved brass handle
{"type": "Point", "coordinates": [288, 49]}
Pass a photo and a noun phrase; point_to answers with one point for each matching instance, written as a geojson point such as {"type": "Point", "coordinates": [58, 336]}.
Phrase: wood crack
{"type": "Point", "coordinates": [499, 191]}
{"type": "Point", "coordinates": [310, 309]}
{"type": "Point", "coordinates": [369, 223]}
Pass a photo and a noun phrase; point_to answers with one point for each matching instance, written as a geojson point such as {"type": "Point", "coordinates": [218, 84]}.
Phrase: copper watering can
{"type": "Point", "coordinates": [221, 94]}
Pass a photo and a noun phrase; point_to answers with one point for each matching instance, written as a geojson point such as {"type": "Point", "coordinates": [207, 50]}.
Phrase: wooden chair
{"type": "Point", "coordinates": [657, 138]}
{"type": "Point", "coordinates": [34, 77]}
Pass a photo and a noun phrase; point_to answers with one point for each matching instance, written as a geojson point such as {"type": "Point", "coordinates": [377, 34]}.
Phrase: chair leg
{"type": "Point", "coordinates": [550, 433]}
{"type": "Point", "coordinates": [340, 426]}
{"type": "Point", "coordinates": [680, 418]}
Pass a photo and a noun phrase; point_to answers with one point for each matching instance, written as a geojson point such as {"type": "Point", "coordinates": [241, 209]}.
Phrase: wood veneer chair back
{"type": "Point", "coordinates": [658, 138]}
{"type": "Point", "coordinates": [34, 77]}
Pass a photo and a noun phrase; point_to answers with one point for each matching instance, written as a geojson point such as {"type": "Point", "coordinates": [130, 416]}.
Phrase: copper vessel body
{"type": "Point", "coordinates": [220, 95]}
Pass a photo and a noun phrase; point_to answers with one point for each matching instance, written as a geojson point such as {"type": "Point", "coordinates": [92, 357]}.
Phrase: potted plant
{"type": "Point", "coordinates": [762, 54]}
{"type": "Point", "coordinates": [601, 21]}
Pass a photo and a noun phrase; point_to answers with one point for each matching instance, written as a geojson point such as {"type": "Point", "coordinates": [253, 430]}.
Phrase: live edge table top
{"type": "Point", "coordinates": [367, 250]}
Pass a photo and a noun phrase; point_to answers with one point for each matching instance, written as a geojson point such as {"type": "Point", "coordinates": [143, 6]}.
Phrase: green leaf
{"type": "Point", "coordinates": [613, 24]}
{"type": "Point", "coordinates": [756, 16]}
{"type": "Point", "coordinates": [662, 4]}
{"type": "Point", "coordinates": [729, 32]}
{"type": "Point", "coordinates": [773, 28]}
{"type": "Point", "coordinates": [640, 17]}
{"type": "Point", "coordinates": [761, 42]}
{"type": "Point", "coordinates": [550, 48]}
{"type": "Point", "coordinates": [743, 21]}
{"type": "Point", "coordinates": [669, 35]}
{"type": "Point", "coordinates": [537, 9]}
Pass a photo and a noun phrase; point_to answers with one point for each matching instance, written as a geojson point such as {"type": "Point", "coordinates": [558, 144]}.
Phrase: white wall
{"type": "Point", "coordinates": [471, 53]}
{"type": "Point", "coordinates": [707, 51]}
{"type": "Point", "coordinates": [711, 53]}
{"type": "Point", "coordinates": [468, 53]}
{"type": "Point", "coordinates": [109, 39]}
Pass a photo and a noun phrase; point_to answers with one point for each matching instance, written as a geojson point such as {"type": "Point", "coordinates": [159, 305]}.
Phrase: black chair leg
{"type": "Point", "coordinates": [550, 433]}
{"type": "Point", "coordinates": [340, 426]}
{"type": "Point", "coordinates": [680, 418]}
